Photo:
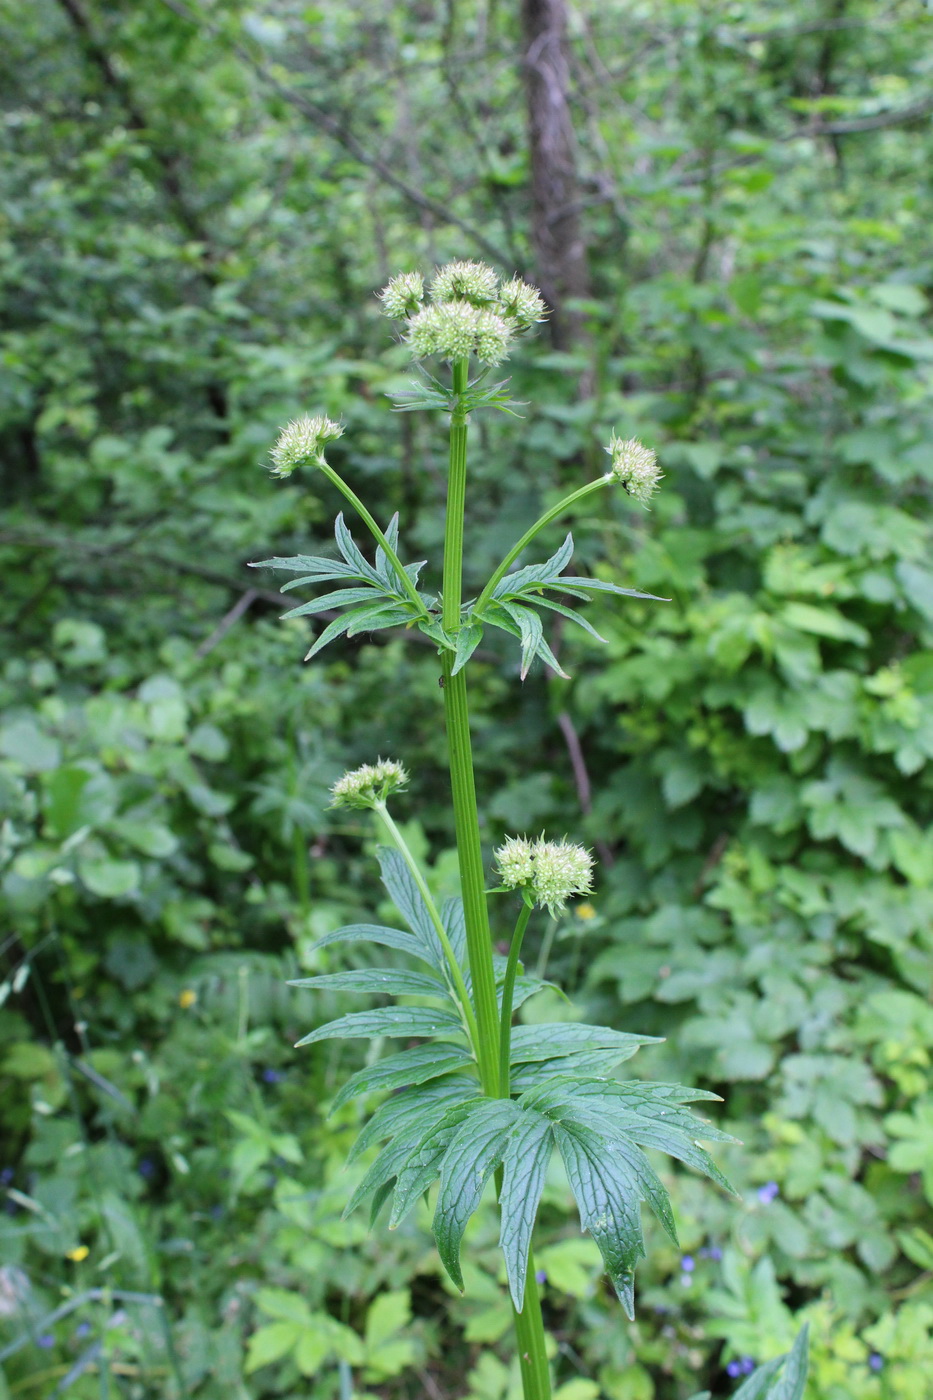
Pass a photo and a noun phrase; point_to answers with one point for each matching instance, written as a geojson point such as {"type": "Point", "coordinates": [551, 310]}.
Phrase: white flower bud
{"type": "Point", "coordinates": [521, 303]}
{"type": "Point", "coordinates": [515, 862]}
{"type": "Point", "coordinates": [551, 871]}
{"type": "Point", "coordinates": [561, 871]}
{"type": "Point", "coordinates": [403, 295]}
{"type": "Point", "coordinates": [635, 466]}
{"type": "Point", "coordinates": [372, 783]}
{"type": "Point", "coordinates": [465, 281]}
{"type": "Point", "coordinates": [302, 442]}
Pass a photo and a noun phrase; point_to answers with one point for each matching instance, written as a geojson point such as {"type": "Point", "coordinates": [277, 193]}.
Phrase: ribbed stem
{"type": "Point", "coordinates": [463, 788]}
{"type": "Point", "coordinates": [529, 1333]}
{"type": "Point", "coordinates": [529, 1325]}
{"type": "Point", "coordinates": [508, 992]}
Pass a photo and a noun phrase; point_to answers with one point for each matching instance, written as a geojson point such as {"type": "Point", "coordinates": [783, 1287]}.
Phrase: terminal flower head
{"type": "Point", "coordinates": [403, 295]}
{"type": "Point", "coordinates": [372, 783]}
{"type": "Point", "coordinates": [549, 872]}
{"type": "Point", "coordinates": [635, 466]}
{"type": "Point", "coordinates": [465, 281]}
{"type": "Point", "coordinates": [515, 862]}
{"type": "Point", "coordinates": [466, 314]}
{"type": "Point", "coordinates": [302, 442]}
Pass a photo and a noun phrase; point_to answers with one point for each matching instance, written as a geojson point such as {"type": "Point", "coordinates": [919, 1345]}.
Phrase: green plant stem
{"type": "Point", "coordinates": [463, 787]}
{"type": "Point", "coordinates": [376, 533]}
{"type": "Point", "coordinates": [529, 1333]}
{"type": "Point", "coordinates": [549, 515]}
{"type": "Point", "coordinates": [508, 992]}
{"type": "Point", "coordinates": [529, 1324]}
{"type": "Point", "coordinates": [404, 851]}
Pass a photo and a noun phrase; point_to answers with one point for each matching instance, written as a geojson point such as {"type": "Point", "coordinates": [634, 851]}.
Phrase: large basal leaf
{"type": "Point", "coordinates": [551, 1040]}
{"type": "Point", "coordinates": [398, 1021]}
{"type": "Point", "coordinates": [473, 1154]}
{"type": "Point", "coordinates": [399, 1109]}
{"type": "Point", "coordinates": [395, 1156]}
{"type": "Point", "coordinates": [608, 1203]}
{"type": "Point", "coordinates": [423, 1167]}
{"type": "Point", "coordinates": [524, 1167]}
{"type": "Point", "coordinates": [414, 1066]}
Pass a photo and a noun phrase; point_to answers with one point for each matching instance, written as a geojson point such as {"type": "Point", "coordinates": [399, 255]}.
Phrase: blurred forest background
{"type": "Point", "coordinates": [729, 207]}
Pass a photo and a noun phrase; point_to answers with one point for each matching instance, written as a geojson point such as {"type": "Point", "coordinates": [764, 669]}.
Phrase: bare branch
{"type": "Point", "coordinates": [338, 129]}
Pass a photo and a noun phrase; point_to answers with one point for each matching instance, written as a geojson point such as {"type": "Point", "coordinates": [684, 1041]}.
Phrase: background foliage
{"type": "Point", "coordinates": [198, 200]}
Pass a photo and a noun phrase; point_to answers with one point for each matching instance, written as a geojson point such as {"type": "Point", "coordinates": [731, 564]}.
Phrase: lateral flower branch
{"type": "Point", "coordinates": [477, 1098]}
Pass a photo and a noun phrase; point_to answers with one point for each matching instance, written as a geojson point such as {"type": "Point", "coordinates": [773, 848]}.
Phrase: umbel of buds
{"type": "Point", "coordinates": [550, 872]}
{"type": "Point", "coordinates": [372, 783]}
{"type": "Point", "coordinates": [635, 466]}
{"type": "Point", "coordinates": [303, 441]}
{"type": "Point", "coordinates": [469, 312]}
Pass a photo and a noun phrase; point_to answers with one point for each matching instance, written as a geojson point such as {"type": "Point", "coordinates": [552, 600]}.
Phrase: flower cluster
{"type": "Point", "coordinates": [551, 872]}
{"type": "Point", "coordinates": [635, 466]}
{"type": "Point", "coordinates": [372, 783]}
{"type": "Point", "coordinates": [469, 312]}
{"type": "Point", "coordinates": [301, 442]}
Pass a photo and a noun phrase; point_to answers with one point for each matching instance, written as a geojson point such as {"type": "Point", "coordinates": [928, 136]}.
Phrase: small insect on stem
{"type": "Point", "coordinates": [440, 681]}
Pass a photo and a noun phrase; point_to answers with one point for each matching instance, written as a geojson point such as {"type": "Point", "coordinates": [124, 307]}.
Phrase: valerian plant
{"type": "Point", "coordinates": [476, 1098]}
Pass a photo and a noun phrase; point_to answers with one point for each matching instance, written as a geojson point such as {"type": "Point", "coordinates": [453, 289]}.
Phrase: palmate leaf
{"type": "Point", "coordinates": [406, 1144]}
{"type": "Point", "coordinates": [524, 1166]}
{"type": "Point", "coordinates": [399, 1109]}
{"type": "Point", "coordinates": [469, 1161]}
{"type": "Point", "coordinates": [414, 1066]}
{"type": "Point", "coordinates": [424, 1165]}
{"type": "Point", "coordinates": [608, 1202]}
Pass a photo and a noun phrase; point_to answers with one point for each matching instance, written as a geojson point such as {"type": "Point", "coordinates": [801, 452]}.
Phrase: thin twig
{"type": "Point", "coordinates": [582, 778]}
{"type": "Point", "coordinates": [227, 621]}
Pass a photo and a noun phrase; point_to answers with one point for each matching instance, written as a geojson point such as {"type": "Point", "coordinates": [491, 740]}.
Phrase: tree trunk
{"type": "Point", "coordinates": [556, 230]}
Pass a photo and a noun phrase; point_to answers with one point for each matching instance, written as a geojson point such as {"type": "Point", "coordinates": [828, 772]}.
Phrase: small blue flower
{"type": "Point", "coordinates": [688, 1263]}
{"type": "Point", "coordinates": [746, 1365]}
{"type": "Point", "coordinates": [541, 1276]}
{"type": "Point", "coordinates": [146, 1168]}
{"type": "Point", "coordinates": [768, 1192]}
{"type": "Point", "coordinates": [734, 1369]}
{"type": "Point", "coordinates": [875, 1361]}
{"type": "Point", "coordinates": [711, 1252]}
{"type": "Point", "coordinates": [6, 1176]}
{"type": "Point", "coordinates": [46, 1341]}
{"type": "Point", "coordinates": [82, 1329]}
{"type": "Point", "coordinates": [272, 1076]}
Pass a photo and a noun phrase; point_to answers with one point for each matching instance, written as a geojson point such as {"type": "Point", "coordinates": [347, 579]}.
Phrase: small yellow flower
{"type": "Point", "coordinates": [586, 911]}
{"type": "Point", "coordinates": [187, 998]}
{"type": "Point", "coordinates": [77, 1254]}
